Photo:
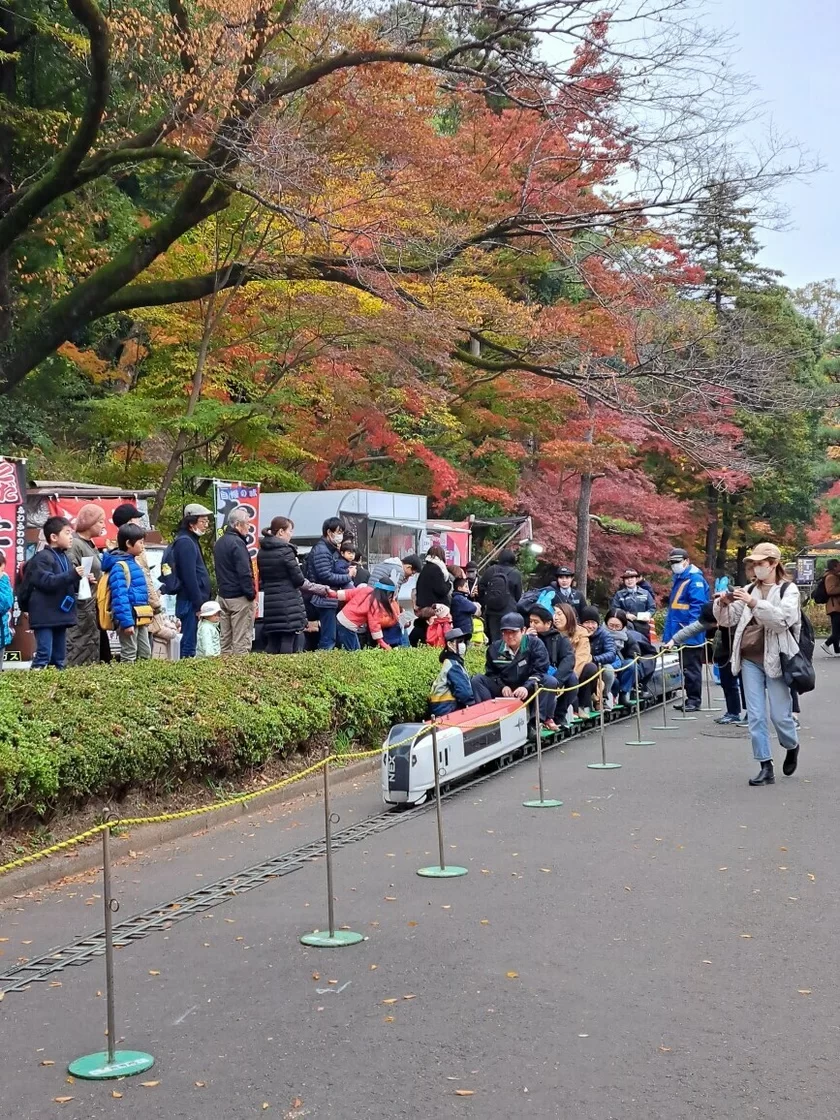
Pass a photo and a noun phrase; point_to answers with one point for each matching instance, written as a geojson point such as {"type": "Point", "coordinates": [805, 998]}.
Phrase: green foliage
{"type": "Point", "coordinates": [68, 737]}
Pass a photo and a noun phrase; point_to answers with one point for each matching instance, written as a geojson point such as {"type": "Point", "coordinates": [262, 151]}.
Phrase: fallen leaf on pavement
{"type": "Point", "coordinates": [47, 1063]}
{"type": "Point", "coordinates": [297, 1102]}
{"type": "Point", "coordinates": [465, 1092]}
{"type": "Point", "coordinates": [746, 935]}
{"type": "Point", "coordinates": [665, 1049]}
{"type": "Point", "coordinates": [389, 1001]}
{"type": "Point", "coordinates": [200, 1084]}
{"type": "Point", "coordinates": [546, 869]}
{"type": "Point", "coordinates": [62, 1100]}
{"type": "Point", "coordinates": [511, 975]}
{"type": "Point", "coordinates": [149, 1084]}
{"type": "Point", "coordinates": [388, 1019]}
{"type": "Point", "coordinates": [409, 997]}
{"type": "Point", "coordinates": [117, 1096]}
{"type": "Point", "coordinates": [813, 878]}
{"type": "Point", "coordinates": [373, 967]}
{"type": "Point", "coordinates": [804, 991]}
{"type": "Point", "coordinates": [706, 962]}
{"type": "Point", "coordinates": [485, 922]}
{"type": "Point", "coordinates": [332, 981]}
{"type": "Point", "coordinates": [153, 973]}
{"type": "Point", "coordinates": [575, 814]}
{"type": "Point", "coordinates": [390, 898]}
{"type": "Point", "coordinates": [316, 975]}
{"type": "Point", "coordinates": [412, 924]}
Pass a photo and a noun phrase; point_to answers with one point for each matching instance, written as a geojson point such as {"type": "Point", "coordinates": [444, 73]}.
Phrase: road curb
{"type": "Point", "coordinates": [85, 858]}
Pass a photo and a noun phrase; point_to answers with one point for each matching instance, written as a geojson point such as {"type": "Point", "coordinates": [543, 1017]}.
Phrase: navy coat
{"type": "Point", "coordinates": [53, 580]}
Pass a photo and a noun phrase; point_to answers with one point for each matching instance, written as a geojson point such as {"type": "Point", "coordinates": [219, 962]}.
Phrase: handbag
{"type": "Point", "coordinates": [798, 672]}
{"type": "Point", "coordinates": [143, 615]}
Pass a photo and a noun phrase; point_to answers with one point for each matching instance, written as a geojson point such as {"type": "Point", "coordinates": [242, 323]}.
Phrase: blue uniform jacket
{"type": "Point", "coordinates": [634, 600]}
{"type": "Point", "coordinates": [689, 592]}
{"type": "Point", "coordinates": [125, 593]}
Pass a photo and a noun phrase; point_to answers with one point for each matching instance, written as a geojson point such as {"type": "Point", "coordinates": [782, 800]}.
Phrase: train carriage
{"type": "Point", "coordinates": [493, 732]}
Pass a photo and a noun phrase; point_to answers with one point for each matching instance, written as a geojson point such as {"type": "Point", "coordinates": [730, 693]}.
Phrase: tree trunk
{"type": "Point", "coordinates": [741, 571]}
{"type": "Point", "coordinates": [8, 69]}
{"type": "Point", "coordinates": [195, 397]}
{"type": "Point", "coordinates": [712, 523]}
{"type": "Point", "coordinates": [583, 525]}
{"type": "Point", "coordinates": [583, 511]}
{"type": "Point", "coordinates": [728, 505]}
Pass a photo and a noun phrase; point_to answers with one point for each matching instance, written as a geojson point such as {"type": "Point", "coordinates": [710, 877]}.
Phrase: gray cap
{"type": "Point", "coordinates": [454, 635]}
{"type": "Point", "coordinates": [512, 621]}
{"type": "Point", "coordinates": [677, 554]}
{"type": "Point", "coordinates": [196, 509]}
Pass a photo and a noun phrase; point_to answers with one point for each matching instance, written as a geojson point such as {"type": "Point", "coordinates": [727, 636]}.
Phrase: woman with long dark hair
{"type": "Point", "coordinates": [370, 608]}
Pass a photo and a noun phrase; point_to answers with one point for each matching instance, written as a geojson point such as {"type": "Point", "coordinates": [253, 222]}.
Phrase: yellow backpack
{"type": "Point", "coordinates": [104, 611]}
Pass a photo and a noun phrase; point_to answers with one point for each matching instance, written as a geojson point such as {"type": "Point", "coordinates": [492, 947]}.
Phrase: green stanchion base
{"type": "Point", "coordinates": [683, 719]}
{"type": "Point", "coordinates": [603, 765]}
{"type": "Point", "coordinates": [640, 743]}
{"type": "Point", "coordinates": [436, 872]}
{"type": "Point", "coordinates": [549, 803]}
{"type": "Point", "coordinates": [662, 727]}
{"type": "Point", "coordinates": [712, 709]}
{"type": "Point", "coordinates": [96, 1067]}
{"type": "Point", "coordinates": [323, 939]}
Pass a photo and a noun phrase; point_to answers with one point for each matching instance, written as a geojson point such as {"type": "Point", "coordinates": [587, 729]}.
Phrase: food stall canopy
{"type": "Point", "coordinates": [829, 548]}
{"type": "Point", "coordinates": [311, 508]}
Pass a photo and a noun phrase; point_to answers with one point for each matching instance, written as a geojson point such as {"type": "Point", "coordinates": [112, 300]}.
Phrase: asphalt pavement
{"type": "Point", "coordinates": [658, 948]}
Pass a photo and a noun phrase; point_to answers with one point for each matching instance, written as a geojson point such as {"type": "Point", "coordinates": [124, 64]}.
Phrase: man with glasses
{"type": "Point", "coordinates": [190, 575]}
{"type": "Point", "coordinates": [689, 591]}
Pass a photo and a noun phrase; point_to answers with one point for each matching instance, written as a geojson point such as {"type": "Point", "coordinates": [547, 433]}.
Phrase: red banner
{"type": "Point", "coordinates": [12, 513]}
{"type": "Point", "coordinates": [239, 495]}
{"type": "Point", "coordinates": [69, 508]}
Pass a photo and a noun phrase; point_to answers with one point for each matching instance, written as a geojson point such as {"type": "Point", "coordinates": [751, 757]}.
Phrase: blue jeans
{"type": "Point", "coordinates": [347, 639]}
{"type": "Point", "coordinates": [185, 611]}
{"type": "Point", "coordinates": [51, 647]}
{"type": "Point", "coordinates": [756, 683]}
{"type": "Point", "coordinates": [395, 636]}
{"type": "Point", "coordinates": [326, 635]}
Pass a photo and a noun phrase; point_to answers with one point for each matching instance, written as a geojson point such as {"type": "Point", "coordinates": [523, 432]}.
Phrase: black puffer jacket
{"type": "Point", "coordinates": [281, 578]}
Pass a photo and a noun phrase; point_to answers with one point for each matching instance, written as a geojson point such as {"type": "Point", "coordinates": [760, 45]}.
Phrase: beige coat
{"type": "Point", "coordinates": [580, 644]}
{"type": "Point", "coordinates": [780, 618]}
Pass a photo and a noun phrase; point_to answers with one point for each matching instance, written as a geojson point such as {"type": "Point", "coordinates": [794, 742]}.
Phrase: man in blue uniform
{"type": "Point", "coordinates": [689, 592]}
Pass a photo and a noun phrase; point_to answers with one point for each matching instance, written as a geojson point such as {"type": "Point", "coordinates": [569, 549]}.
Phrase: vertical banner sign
{"type": "Point", "coordinates": [228, 496]}
{"type": "Point", "coordinates": [71, 507]}
{"type": "Point", "coordinates": [12, 513]}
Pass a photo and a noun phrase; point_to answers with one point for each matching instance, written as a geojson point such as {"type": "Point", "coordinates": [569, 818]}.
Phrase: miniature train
{"type": "Point", "coordinates": [492, 733]}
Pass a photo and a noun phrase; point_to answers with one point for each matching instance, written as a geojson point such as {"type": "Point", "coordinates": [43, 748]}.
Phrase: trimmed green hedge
{"type": "Point", "coordinates": [99, 732]}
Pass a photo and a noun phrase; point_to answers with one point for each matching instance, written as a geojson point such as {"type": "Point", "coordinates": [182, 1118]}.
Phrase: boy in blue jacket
{"type": "Point", "coordinates": [50, 598]}
{"type": "Point", "coordinates": [129, 594]}
{"type": "Point", "coordinates": [463, 609]}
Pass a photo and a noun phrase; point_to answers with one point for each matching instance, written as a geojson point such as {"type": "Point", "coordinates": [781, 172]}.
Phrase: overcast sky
{"type": "Point", "coordinates": [792, 50]}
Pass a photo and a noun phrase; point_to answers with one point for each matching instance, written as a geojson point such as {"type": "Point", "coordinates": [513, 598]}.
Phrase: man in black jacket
{"type": "Point", "coordinates": [516, 667]}
{"type": "Point", "coordinates": [190, 574]}
{"type": "Point", "coordinates": [235, 581]}
{"type": "Point", "coordinates": [499, 590]}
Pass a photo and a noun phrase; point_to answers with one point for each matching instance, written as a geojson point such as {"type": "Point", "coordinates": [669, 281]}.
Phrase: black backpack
{"type": "Point", "coordinates": [24, 585]}
{"type": "Point", "coordinates": [807, 638]}
{"type": "Point", "coordinates": [168, 582]}
{"type": "Point", "coordinates": [497, 595]}
{"type": "Point", "coordinates": [819, 594]}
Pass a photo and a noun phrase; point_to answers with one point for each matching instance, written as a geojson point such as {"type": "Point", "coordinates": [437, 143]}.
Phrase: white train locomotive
{"type": "Point", "coordinates": [494, 732]}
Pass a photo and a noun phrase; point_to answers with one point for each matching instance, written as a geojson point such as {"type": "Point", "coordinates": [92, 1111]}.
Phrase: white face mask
{"type": "Point", "coordinates": [462, 648]}
{"type": "Point", "coordinates": [679, 567]}
{"type": "Point", "coordinates": [762, 571]}
{"type": "Point", "coordinates": [199, 532]}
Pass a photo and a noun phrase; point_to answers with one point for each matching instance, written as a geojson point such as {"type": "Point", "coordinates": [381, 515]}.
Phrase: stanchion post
{"type": "Point", "coordinates": [442, 871]}
{"type": "Point", "coordinates": [664, 725]}
{"type": "Point", "coordinates": [707, 666]}
{"type": "Point", "coordinates": [639, 741]}
{"type": "Point", "coordinates": [603, 764]}
{"type": "Point", "coordinates": [683, 718]}
{"type": "Point", "coordinates": [334, 938]}
{"type": "Point", "coordinates": [542, 803]}
{"type": "Point", "coordinates": [104, 1066]}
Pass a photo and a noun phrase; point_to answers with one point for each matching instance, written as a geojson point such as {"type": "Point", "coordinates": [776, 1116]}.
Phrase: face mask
{"type": "Point", "coordinates": [761, 571]}
{"type": "Point", "coordinates": [679, 566]}
{"type": "Point", "coordinates": [462, 648]}
{"type": "Point", "coordinates": [199, 532]}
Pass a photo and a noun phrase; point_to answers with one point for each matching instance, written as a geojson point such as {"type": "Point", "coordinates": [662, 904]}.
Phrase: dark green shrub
{"type": "Point", "coordinates": [99, 732]}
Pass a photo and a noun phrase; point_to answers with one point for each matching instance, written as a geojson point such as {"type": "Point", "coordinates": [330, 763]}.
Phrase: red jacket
{"type": "Point", "coordinates": [361, 609]}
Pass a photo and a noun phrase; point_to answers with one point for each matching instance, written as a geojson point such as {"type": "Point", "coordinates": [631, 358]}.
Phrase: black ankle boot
{"type": "Point", "coordinates": [765, 776]}
{"type": "Point", "coordinates": [790, 762]}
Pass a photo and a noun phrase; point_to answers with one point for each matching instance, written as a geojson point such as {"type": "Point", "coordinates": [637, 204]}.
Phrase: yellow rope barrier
{"type": "Point", "coordinates": [240, 799]}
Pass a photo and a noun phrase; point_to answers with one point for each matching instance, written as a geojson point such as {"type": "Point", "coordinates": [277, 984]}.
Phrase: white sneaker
{"type": "Point", "coordinates": [829, 649]}
{"type": "Point", "coordinates": [610, 702]}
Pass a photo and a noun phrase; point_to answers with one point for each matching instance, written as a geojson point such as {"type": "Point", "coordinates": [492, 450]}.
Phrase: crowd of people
{"type": "Point", "coordinates": [547, 638]}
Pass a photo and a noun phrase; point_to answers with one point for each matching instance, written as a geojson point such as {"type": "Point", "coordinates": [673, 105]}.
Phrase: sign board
{"type": "Point", "coordinates": [12, 513]}
{"type": "Point", "coordinates": [806, 569]}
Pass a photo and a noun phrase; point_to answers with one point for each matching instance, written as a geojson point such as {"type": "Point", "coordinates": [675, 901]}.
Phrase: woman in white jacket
{"type": "Point", "coordinates": [765, 617]}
